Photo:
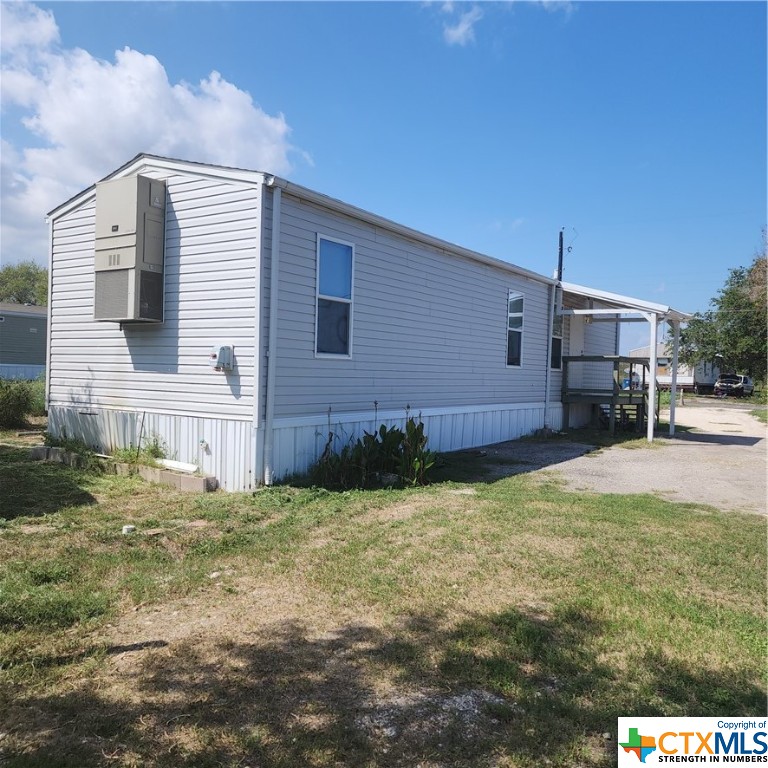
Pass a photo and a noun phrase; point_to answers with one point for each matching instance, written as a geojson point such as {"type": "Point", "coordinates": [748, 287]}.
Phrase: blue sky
{"type": "Point", "coordinates": [638, 127]}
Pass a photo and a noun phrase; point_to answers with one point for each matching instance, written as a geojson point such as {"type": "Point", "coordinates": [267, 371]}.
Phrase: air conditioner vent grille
{"type": "Point", "coordinates": [151, 296]}
{"type": "Point", "coordinates": [112, 299]}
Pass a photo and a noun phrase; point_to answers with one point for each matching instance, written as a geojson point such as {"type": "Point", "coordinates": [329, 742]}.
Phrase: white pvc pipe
{"type": "Point", "coordinates": [654, 321]}
{"type": "Point", "coordinates": [49, 324]}
{"type": "Point", "coordinates": [274, 274]}
{"type": "Point", "coordinates": [673, 389]}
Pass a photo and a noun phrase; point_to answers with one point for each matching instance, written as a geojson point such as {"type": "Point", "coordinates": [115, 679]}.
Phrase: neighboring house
{"type": "Point", "coordinates": [23, 334]}
{"type": "Point", "coordinates": [698, 378]}
{"type": "Point", "coordinates": [287, 315]}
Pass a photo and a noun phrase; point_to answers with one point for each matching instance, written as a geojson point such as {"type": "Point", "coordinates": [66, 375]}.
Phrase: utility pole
{"type": "Point", "coordinates": [560, 258]}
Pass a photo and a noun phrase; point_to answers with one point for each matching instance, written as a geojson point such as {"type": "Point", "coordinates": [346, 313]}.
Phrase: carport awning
{"type": "Point", "coordinates": [619, 304]}
{"type": "Point", "coordinates": [628, 309]}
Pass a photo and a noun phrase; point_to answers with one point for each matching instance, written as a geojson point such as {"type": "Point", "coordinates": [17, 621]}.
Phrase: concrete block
{"type": "Point", "coordinates": [171, 479]}
{"type": "Point", "coordinates": [182, 482]}
{"type": "Point", "coordinates": [192, 483]}
{"type": "Point", "coordinates": [72, 460]}
{"type": "Point", "coordinates": [197, 484]}
{"type": "Point", "coordinates": [56, 454]}
{"type": "Point", "coordinates": [150, 474]}
{"type": "Point", "coordinates": [39, 453]}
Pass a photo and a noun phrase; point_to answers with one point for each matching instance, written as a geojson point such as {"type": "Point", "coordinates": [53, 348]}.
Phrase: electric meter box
{"type": "Point", "coordinates": [129, 250]}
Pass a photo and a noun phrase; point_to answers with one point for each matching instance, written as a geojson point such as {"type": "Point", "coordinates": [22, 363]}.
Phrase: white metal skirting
{"type": "Point", "coordinates": [223, 448]}
{"type": "Point", "coordinates": [300, 441]}
{"type": "Point", "coordinates": [218, 447]}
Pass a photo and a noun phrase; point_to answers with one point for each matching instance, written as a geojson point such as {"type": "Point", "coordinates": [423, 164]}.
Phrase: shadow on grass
{"type": "Point", "coordinates": [499, 686]}
{"type": "Point", "coordinates": [33, 489]}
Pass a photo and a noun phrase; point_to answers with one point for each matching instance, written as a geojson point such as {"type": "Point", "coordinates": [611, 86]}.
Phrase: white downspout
{"type": "Point", "coordinates": [654, 321]}
{"type": "Point", "coordinates": [48, 325]}
{"type": "Point", "coordinates": [274, 276]}
{"type": "Point", "coordinates": [548, 361]}
{"type": "Point", "coordinates": [673, 388]}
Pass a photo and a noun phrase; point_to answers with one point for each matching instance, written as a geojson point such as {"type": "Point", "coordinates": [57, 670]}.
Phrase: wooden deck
{"type": "Point", "coordinates": [598, 380]}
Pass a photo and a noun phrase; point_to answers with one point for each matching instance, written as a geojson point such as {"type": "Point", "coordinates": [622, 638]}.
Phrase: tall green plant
{"type": "Point", "coordinates": [374, 459]}
{"type": "Point", "coordinates": [416, 460]}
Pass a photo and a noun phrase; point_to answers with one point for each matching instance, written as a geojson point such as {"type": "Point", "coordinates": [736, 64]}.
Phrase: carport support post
{"type": "Point", "coordinates": [673, 388]}
{"type": "Point", "coordinates": [654, 322]}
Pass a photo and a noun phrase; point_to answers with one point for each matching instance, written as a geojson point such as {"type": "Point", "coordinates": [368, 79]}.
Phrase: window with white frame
{"type": "Point", "coordinates": [335, 260]}
{"type": "Point", "coordinates": [514, 328]}
{"type": "Point", "coordinates": [556, 357]}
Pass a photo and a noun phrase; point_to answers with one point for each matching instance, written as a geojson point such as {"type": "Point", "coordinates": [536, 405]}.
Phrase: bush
{"type": "Point", "coordinates": [388, 456]}
{"type": "Point", "coordinates": [37, 389]}
{"type": "Point", "coordinates": [16, 400]}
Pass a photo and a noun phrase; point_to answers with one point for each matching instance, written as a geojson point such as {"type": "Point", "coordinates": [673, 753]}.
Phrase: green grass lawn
{"type": "Point", "coordinates": [504, 623]}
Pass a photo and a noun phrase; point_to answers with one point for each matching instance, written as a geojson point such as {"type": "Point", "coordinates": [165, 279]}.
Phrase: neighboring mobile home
{"type": "Point", "coordinates": [238, 318]}
{"type": "Point", "coordinates": [700, 378]}
{"type": "Point", "coordinates": [23, 334]}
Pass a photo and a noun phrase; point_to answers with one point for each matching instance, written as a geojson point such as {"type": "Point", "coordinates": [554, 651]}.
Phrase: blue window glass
{"type": "Point", "coordinates": [515, 328]}
{"type": "Point", "coordinates": [334, 297]}
{"type": "Point", "coordinates": [335, 269]}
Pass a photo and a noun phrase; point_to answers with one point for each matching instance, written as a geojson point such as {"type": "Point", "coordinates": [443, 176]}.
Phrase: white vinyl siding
{"type": "Point", "coordinates": [600, 338]}
{"type": "Point", "coordinates": [429, 328]}
{"type": "Point", "coordinates": [211, 283]}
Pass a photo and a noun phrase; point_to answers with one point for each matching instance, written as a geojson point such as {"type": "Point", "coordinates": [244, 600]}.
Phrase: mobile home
{"type": "Point", "coordinates": [239, 318]}
{"type": "Point", "coordinates": [23, 334]}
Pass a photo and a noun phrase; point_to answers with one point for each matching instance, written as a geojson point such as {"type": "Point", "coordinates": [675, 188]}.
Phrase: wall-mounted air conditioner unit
{"type": "Point", "coordinates": [130, 238]}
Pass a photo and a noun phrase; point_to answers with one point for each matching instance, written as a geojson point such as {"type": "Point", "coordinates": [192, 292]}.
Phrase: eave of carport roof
{"type": "Point", "coordinates": [626, 304]}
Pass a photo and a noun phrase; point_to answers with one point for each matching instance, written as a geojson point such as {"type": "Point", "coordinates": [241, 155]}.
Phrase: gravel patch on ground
{"type": "Point", "coordinates": [721, 461]}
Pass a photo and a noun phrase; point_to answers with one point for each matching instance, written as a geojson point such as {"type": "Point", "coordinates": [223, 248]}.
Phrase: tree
{"type": "Point", "coordinates": [24, 283]}
{"type": "Point", "coordinates": [733, 334]}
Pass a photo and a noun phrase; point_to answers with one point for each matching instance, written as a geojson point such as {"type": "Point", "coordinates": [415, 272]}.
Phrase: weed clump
{"type": "Point", "coordinates": [388, 457]}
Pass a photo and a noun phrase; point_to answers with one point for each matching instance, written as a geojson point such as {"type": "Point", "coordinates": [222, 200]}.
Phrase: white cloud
{"type": "Point", "coordinates": [507, 225]}
{"type": "Point", "coordinates": [84, 117]}
{"type": "Point", "coordinates": [554, 6]}
{"type": "Point", "coordinates": [463, 31]}
{"type": "Point", "coordinates": [460, 29]}
{"type": "Point", "coordinates": [25, 27]}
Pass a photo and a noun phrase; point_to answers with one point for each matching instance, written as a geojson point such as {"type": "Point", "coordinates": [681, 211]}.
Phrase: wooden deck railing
{"type": "Point", "coordinates": [599, 381]}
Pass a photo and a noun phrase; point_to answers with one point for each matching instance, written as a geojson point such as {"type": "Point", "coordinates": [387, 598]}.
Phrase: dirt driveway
{"type": "Point", "coordinates": [721, 460]}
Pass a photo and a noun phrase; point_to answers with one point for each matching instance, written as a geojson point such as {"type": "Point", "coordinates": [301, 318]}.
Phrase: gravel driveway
{"type": "Point", "coordinates": [721, 461]}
